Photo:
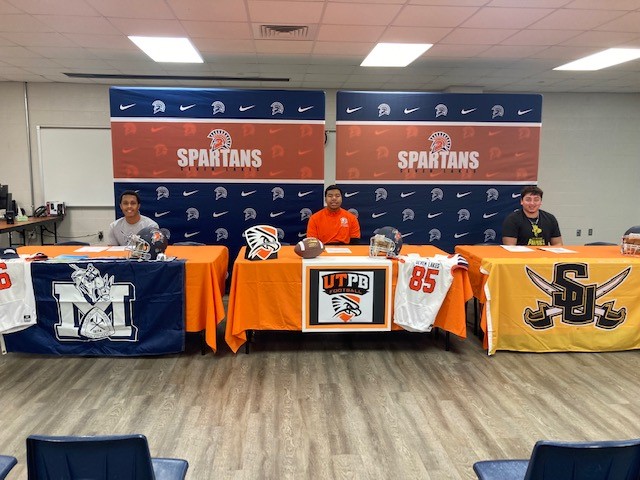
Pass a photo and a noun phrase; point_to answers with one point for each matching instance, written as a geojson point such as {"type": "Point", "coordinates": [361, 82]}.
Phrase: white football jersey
{"type": "Point", "coordinates": [17, 301]}
{"type": "Point", "coordinates": [423, 283]}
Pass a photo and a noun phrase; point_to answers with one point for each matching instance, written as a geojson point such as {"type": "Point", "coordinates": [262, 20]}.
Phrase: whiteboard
{"type": "Point", "coordinates": [76, 165]}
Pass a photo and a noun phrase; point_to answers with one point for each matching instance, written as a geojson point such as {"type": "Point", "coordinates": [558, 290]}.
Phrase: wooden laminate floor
{"type": "Point", "coordinates": [369, 406]}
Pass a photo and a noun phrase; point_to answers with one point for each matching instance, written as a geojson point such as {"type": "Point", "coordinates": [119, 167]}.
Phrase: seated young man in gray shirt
{"type": "Point", "coordinates": [131, 223]}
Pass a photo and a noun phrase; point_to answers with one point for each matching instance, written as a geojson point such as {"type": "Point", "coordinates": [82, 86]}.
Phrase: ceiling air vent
{"type": "Point", "coordinates": [281, 32]}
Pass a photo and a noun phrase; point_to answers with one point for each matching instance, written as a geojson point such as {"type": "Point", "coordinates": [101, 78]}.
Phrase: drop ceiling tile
{"type": "Point", "coordinates": [352, 13]}
{"type": "Point", "coordinates": [433, 16]}
{"type": "Point", "coordinates": [285, 12]}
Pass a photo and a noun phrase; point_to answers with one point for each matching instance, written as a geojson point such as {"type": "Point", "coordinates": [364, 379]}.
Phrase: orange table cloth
{"type": "Point", "coordinates": [541, 301]}
{"type": "Point", "coordinates": [205, 275]}
{"type": "Point", "coordinates": [267, 295]}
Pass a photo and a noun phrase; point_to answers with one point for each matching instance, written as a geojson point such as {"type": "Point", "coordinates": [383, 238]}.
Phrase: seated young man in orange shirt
{"type": "Point", "coordinates": [333, 224]}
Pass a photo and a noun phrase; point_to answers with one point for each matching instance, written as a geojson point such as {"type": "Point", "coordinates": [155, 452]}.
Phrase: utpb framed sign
{"type": "Point", "coordinates": [346, 294]}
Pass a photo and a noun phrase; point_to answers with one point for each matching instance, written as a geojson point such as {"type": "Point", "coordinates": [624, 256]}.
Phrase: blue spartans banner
{"type": "Point", "coordinates": [209, 163]}
{"type": "Point", "coordinates": [444, 169]}
{"type": "Point", "coordinates": [115, 307]}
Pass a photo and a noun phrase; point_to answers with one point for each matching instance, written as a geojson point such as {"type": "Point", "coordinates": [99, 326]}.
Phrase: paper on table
{"type": "Point", "coordinates": [91, 249]}
{"type": "Point", "coordinates": [517, 248]}
{"type": "Point", "coordinates": [557, 250]}
{"type": "Point", "coordinates": [337, 250]}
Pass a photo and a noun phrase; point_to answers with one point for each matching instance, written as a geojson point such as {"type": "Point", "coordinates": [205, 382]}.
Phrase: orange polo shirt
{"type": "Point", "coordinates": [333, 227]}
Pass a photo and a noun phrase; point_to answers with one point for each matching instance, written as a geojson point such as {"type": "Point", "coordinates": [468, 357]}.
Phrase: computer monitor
{"type": "Point", "coordinates": [6, 202]}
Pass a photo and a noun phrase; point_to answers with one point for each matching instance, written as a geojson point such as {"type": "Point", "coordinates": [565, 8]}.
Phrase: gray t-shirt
{"type": "Point", "coordinates": [120, 230]}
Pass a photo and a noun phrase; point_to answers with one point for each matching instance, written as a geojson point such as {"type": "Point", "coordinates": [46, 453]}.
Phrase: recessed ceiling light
{"type": "Point", "coordinates": [168, 49]}
{"type": "Point", "coordinates": [604, 59]}
{"type": "Point", "coordinates": [394, 54]}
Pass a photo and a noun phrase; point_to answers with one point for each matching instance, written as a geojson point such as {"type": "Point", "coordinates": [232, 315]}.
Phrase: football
{"type": "Point", "coordinates": [309, 247]}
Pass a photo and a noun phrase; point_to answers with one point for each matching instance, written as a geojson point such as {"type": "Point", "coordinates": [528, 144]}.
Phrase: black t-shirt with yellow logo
{"type": "Point", "coordinates": [530, 231]}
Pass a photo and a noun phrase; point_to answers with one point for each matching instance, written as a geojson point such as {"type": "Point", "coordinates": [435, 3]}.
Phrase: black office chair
{"type": "Point", "coordinates": [123, 457]}
{"type": "Point", "coordinates": [550, 460]}
{"type": "Point", "coordinates": [188, 244]}
{"type": "Point", "coordinates": [600, 243]}
{"type": "Point", "coordinates": [7, 462]}
{"type": "Point", "coordinates": [73, 242]}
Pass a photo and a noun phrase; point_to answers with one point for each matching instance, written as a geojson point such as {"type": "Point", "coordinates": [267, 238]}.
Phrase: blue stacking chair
{"type": "Point", "coordinates": [608, 460]}
{"type": "Point", "coordinates": [109, 457]}
{"type": "Point", "coordinates": [7, 462]}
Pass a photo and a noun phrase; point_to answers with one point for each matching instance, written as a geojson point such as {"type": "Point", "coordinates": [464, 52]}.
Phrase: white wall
{"type": "Point", "coordinates": [589, 161]}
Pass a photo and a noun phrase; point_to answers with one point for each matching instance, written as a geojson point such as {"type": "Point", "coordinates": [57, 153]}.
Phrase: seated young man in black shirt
{"type": "Point", "coordinates": [530, 225]}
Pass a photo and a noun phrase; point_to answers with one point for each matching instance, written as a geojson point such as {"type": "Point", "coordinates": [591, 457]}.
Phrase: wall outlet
{"type": "Point", "coordinates": [578, 232]}
{"type": "Point", "coordinates": [590, 232]}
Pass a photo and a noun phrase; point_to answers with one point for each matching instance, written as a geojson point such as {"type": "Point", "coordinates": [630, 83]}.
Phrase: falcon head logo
{"type": "Point", "coordinates": [262, 241]}
{"type": "Point", "coordinates": [346, 307]}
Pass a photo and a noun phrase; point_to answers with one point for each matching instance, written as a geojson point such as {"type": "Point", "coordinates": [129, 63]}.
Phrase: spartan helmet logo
{"type": "Point", "coordinates": [192, 214]}
{"type": "Point", "coordinates": [440, 142]}
{"type": "Point", "coordinates": [90, 282]}
{"type": "Point", "coordinates": [434, 234]}
{"type": "Point", "coordinates": [305, 213]}
{"type": "Point", "coordinates": [249, 214]}
{"type": "Point", "coordinates": [497, 111]}
{"type": "Point", "coordinates": [441, 110]}
{"type": "Point", "coordinates": [221, 234]}
{"type": "Point", "coordinates": [158, 106]}
{"type": "Point", "coordinates": [218, 107]}
{"type": "Point", "coordinates": [277, 193]}
{"type": "Point", "coordinates": [489, 234]}
{"type": "Point", "coordinates": [162, 192]}
{"type": "Point", "coordinates": [492, 194]}
{"type": "Point", "coordinates": [220, 192]}
{"type": "Point", "coordinates": [463, 214]}
{"type": "Point", "coordinates": [384, 109]}
{"type": "Point", "coordinates": [437, 194]}
{"type": "Point", "coordinates": [277, 108]}
{"type": "Point", "coordinates": [220, 139]}
{"type": "Point", "coordinates": [408, 214]}
{"type": "Point", "coordinates": [354, 212]}
{"type": "Point", "coordinates": [381, 194]}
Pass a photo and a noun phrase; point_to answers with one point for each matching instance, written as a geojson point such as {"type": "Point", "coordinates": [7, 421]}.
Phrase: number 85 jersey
{"type": "Point", "coordinates": [423, 283]}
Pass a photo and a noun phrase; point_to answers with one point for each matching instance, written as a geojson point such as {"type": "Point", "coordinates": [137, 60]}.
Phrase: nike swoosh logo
{"type": "Point", "coordinates": [434, 215]}
{"type": "Point", "coordinates": [274, 130]}
{"type": "Point", "coordinates": [219, 214]}
{"type": "Point", "coordinates": [274, 215]}
{"type": "Point", "coordinates": [492, 174]}
{"type": "Point", "coordinates": [273, 174]}
{"type": "Point", "coordinates": [244, 108]}
{"type": "Point", "coordinates": [520, 154]}
{"type": "Point", "coordinates": [187, 194]}
{"type": "Point", "coordinates": [246, 194]}
{"type": "Point", "coordinates": [302, 234]}
{"type": "Point", "coordinates": [191, 234]}
{"type": "Point", "coordinates": [406, 234]}
{"type": "Point", "coordinates": [304, 152]}
{"type": "Point", "coordinates": [162, 214]}
{"type": "Point", "coordinates": [129, 150]}
{"type": "Point", "coordinates": [464, 112]}
{"type": "Point", "coordinates": [379, 174]}
{"type": "Point", "coordinates": [186, 107]}
{"type": "Point", "coordinates": [380, 132]}
{"type": "Point", "coordinates": [435, 174]}
{"type": "Point", "coordinates": [351, 194]}
{"type": "Point", "coordinates": [405, 195]}
{"type": "Point", "coordinates": [351, 153]}
{"type": "Point", "coordinates": [407, 111]}
{"type": "Point", "coordinates": [126, 107]}
{"type": "Point", "coordinates": [351, 110]}
{"type": "Point", "coordinates": [524, 112]}
{"type": "Point", "coordinates": [376, 215]}
{"type": "Point", "coordinates": [493, 133]}
{"type": "Point", "coordinates": [515, 195]}
{"type": "Point", "coordinates": [460, 195]}
{"type": "Point", "coordinates": [158, 172]}
{"type": "Point", "coordinates": [304, 109]}
{"type": "Point", "coordinates": [489, 215]}
{"type": "Point", "coordinates": [304, 194]}
{"type": "Point", "coordinates": [157, 129]}
{"type": "Point", "coordinates": [458, 235]}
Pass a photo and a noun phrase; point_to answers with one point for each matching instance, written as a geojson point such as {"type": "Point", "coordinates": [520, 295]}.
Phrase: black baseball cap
{"type": "Point", "coordinates": [6, 253]}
